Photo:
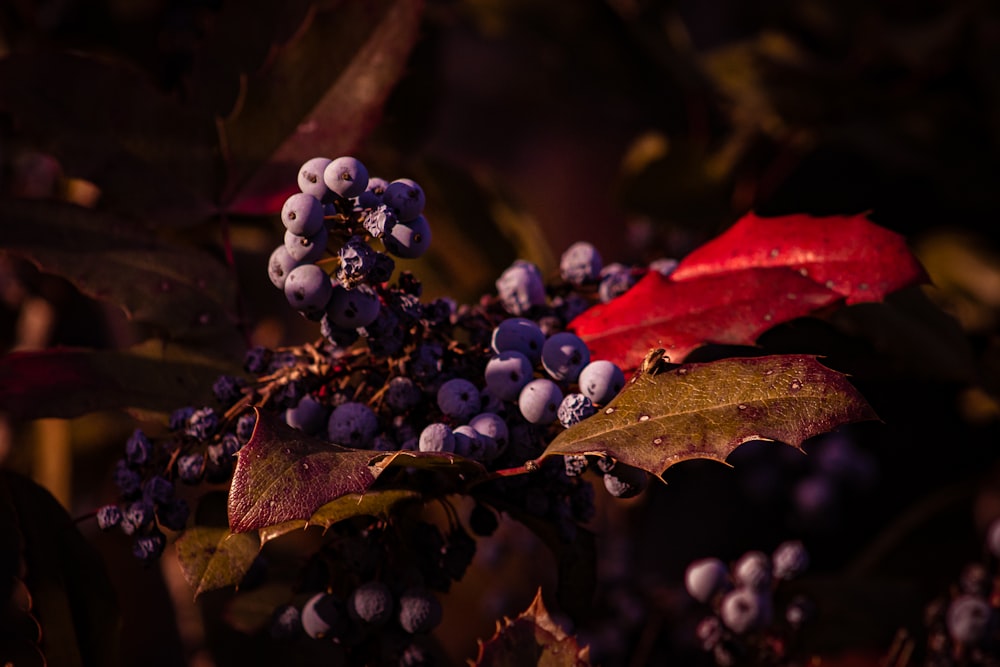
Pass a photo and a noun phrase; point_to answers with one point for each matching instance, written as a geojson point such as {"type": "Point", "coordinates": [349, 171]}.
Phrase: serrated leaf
{"type": "Point", "coordinates": [136, 147]}
{"type": "Point", "coordinates": [732, 309]}
{"type": "Point", "coordinates": [532, 638]}
{"type": "Point", "coordinates": [212, 558]}
{"type": "Point", "coordinates": [708, 410]}
{"type": "Point", "coordinates": [376, 502]}
{"type": "Point", "coordinates": [69, 382]}
{"type": "Point", "coordinates": [282, 474]}
{"type": "Point", "coordinates": [181, 291]}
{"type": "Point", "coordinates": [845, 253]}
{"type": "Point", "coordinates": [455, 465]}
{"type": "Point", "coordinates": [319, 95]}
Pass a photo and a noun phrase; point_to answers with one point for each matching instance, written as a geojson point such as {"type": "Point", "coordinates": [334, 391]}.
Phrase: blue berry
{"type": "Point", "coordinates": [174, 514]}
{"type": "Point", "coordinates": [459, 399]}
{"type": "Point", "coordinates": [743, 610]}
{"type": "Point", "coordinates": [564, 355]}
{"type": "Point", "coordinates": [302, 214]}
{"type": "Point", "coordinates": [352, 424]}
{"type": "Point", "coordinates": [190, 468]}
{"type": "Point", "coordinates": [492, 426]}
{"type": "Point", "coordinates": [616, 279]}
{"type": "Point", "coordinates": [306, 249]}
{"type": "Point", "coordinates": [347, 176]}
{"type": "Point", "coordinates": [245, 425]}
{"type": "Point", "coordinates": [108, 517]}
{"type": "Point", "coordinates": [371, 603]}
{"type": "Point", "coordinates": [705, 578]}
{"type": "Point", "coordinates": [625, 481]}
{"type": "Point", "coordinates": [539, 401]}
{"type": "Point", "coordinates": [202, 423]}
{"type": "Point", "coordinates": [279, 264]}
{"type": "Point", "coordinates": [138, 448]}
{"type": "Point", "coordinates": [520, 288]}
{"type": "Point", "coordinates": [580, 263]}
{"type": "Point", "coordinates": [179, 418]}
{"type": "Point", "coordinates": [311, 177]}
{"type": "Point", "coordinates": [286, 621]}
{"type": "Point", "coordinates": [790, 560]}
{"type": "Point", "coordinates": [127, 480]}
{"type": "Point", "coordinates": [436, 437]}
{"type": "Point", "coordinates": [385, 334]}
{"type": "Point", "coordinates": [408, 240]}
{"type": "Point", "coordinates": [507, 373]}
{"type": "Point", "coordinates": [753, 570]}
{"type": "Point", "coordinates": [426, 362]}
{"type": "Point", "coordinates": [521, 335]}
{"type": "Point", "coordinates": [379, 221]}
{"type": "Point", "coordinates": [601, 380]}
{"type": "Point", "coordinates": [137, 517]}
{"type": "Point", "coordinates": [158, 490]}
{"type": "Point", "coordinates": [308, 288]}
{"type": "Point", "coordinates": [353, 308]}
{"type": "Point", "coordinates": [405, 197]}
{"type": "Point", "coordinates": [574, 409]}
{"type": "Point", "coordinates": [419, 611]}
{"type": "Point", "coordinates": [402, 394]}
{"type": "Point", "coordinates": [309, 415]}
{"type": "Point", "coordinates": [228, 389]}
{"type": "Point", "coordinates": [356, 260]}
{"type": "Point", "coordinates": [321, 616]}
{"type": "Point", "coordinates": [149, 547]}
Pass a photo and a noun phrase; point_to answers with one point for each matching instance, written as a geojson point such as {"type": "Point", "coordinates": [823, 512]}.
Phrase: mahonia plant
{"type": "Point", "coordinates": [403, 403]}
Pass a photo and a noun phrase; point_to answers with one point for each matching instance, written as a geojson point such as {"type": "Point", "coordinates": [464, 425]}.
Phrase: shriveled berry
{"type": "Point", "coordinates": [109, 517]}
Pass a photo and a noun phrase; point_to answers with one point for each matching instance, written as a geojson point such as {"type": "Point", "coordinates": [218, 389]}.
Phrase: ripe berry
{"type": "Point", "coordinates": [575, 464]}
{"type": "Point", "coordinates": [302, 214]}
{"type": "Point", "coordinates": [521, 335]}
{"type": "Point", "coordinates": [402, 394]}
{"type": "Point", "coordinates": [306, 249]}
{"type": "Point", "coordinates": [521, 288]}
{"type": "Point", "coordinates": [539, 401]}
{"type": "Point", "coordinates": [308, 289]}
{"type": "Point", "coordinates": [408, 240]}
{"type": "Point", "coordinates": [279, 265]}
{"type": "Point", "coordinates": [347, 176]}
{"type": "Point", "coordinates": [437, 437]}
{"type": "Point", "coordinates": [625, 481]}
{"type": "Point", "coordinates": [601, 380]}
{"type": "Point", "coordinates": [405, 197]}
{"type": "Point", "coordinates": [744, 610]}
{"type": "Point", "coordinates": [321, 616]}
{"type": "Point", "coordinates": [564, 355]}
{"type": "Point", "coordinates": [580, 263]}
{"type": "Point", "coordinates": [353, 308]}
{"type": "Point", "coordinates": [492, 426]}
{"type": "Point", "coordinates": [507, 373]}
{"type": "Point", "coordinates": [108, 517]}
{"type": "Point", "coordinates": [753, 570]}
{"type": "Point", "coordinates": [308, 416]}
{"type": "Point", "coordinates": [706, 577]}
{"type": "Point", "coordinates": [286, 622]}
{"type": "Point", "coordinates": [352, 424]}
{"type": "Point", "coordinates": [459, 399]}
{"type": "Point", "coordinates": [574, 409]}
{"type": "Point", "coordinates": [371, 603]}
{"type": "Point", "coordinates": [311, 177]}
{"type": "Point", "coordinates": [138, 448]}
{"type": "Point", "coordinates": [419, 611]}
{"type": "Point", "coordinates": [790, 560]}
{"type": "Point", "coordinates": [968, 619]}
{"type": "Point", "coordinates": [149, 547]}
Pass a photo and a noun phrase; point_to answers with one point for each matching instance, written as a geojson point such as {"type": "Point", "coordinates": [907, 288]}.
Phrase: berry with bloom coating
{"type": "Point", "coordinates": [789, 560]}
{"type": "Point", "coordinates": [459, 399]}
{"type": "Point", "coordinates": [347, 176]}
{"type": "Point", "coordinates": [506, 374]}
{"type": "Point", "coordinates": [286, 621]}
{"type": "Point", "coordinates": [138, 448]}
{"type": "Point", "coordinates": [279, 265]}
{"type": "Point", "coordinates": [306, 249]}
{"type": "Point", "coordinates": [744, 610]}
{"type": "Point", "coordinates": [419, 611]}
{"type": "Point", "coordinates": [706, 577]}
{"type": "Point", "coordinates": [302, 214]}
{"type": "Point", "coordinates": [308, 289]}
{"type": "Point", "coordinates": [108, 517]}
{"type": "Point", "coordinates": [580, 263]}
{"type": "Point", "coordinates": [521, 335]}
{"type": "Point", "coordinates": [520, 288]}
{"type": "Point", "coordinates": [492, 426]}
{"type": "Point", "coordinates": [564, 355]}
{"type": "Point", "coordinates": [309, 415]}
{"type": "Point", "coordinates": [402, 394]}
{"type": "Point", "coordinates": [311, 177]}
{"type": "Point", "coordinates": [408, 240]}
{"type": "Point", "coordinates": [406, 198]}
{"type": "Point", "coordinates": [574, 409]}
{"type": "Point", "coordinates": [379, 221]}
{"type": "Point", "coordinates": [353, 308]}
{"type": "Point", "coordinates": [616, 279]}
{"type": "Point", "coordinates": [320, 616]}
{"type": "Point", "coordinates": [437, 437]}
{"type": "Point", "coordinates": [601, 380]}
{"type": "Point", "coordinates": [149, 547]}
{"type": "Point", "coordinates": [202, 423]}
{"type": "Point", "coordinates": [371, 603]}
{"type": "Point", "coordinates": [968, 619]}
{"type": "Point", "coordinates": [352, 424]}
{"type": "Point", "coordinates": [539, 401]}
{"type": "Point", "coordinates": [127, 480]}
{"type": "Point", "coordinates": [575, 464]}
{"type": "Point", "coordinates": [625, 481]}
{"type": "Point", "coordinates": [753, 570]}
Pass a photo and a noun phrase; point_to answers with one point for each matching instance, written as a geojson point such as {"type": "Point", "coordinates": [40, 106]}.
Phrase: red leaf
{"type": "Point", "coordinates": [847, 254]}
{"type": "Point", "coordinates": [734, 308]}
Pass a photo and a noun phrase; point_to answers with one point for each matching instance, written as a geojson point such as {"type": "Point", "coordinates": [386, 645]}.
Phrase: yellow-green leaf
{"type": "Point", "coordinates": [212, 558]}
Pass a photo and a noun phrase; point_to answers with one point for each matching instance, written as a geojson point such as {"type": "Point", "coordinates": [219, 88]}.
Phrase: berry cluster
{"type": "Point", "coordinates": [743, 627]}
{"type": "Point", "coordinates": [962, 626]}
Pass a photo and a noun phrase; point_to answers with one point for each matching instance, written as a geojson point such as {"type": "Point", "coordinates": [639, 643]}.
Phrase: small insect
{"type": "Point", "coordinates": [655, 361]}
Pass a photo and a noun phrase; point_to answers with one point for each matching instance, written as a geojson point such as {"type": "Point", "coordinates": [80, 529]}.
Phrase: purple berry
{"type": "Point", "coordinates": [149, 547]}
{"type": "Point", "coordinates": [437, 437]}
{"type": "Point", "coordinates": [137, 517]}
{"type": "Point", "coordinates": [616, 279]}
{"type": "Point", "coordinates": [228, 389]}
{"type": "Point", "coordinates": [309, 415]}
{"type": "Point", "coordinates": [158, 490]}
{"type": "Point", "coordinates": [521, 335]}
{"type": "Point", "coordinates": [419, 611]}
{"type": "Point", "coordinates": [402, 394]}
{"type": "Point", "coordinates": [302, 214]}
{"type": "Point", "coordinates": [521, 288]}
{"type": "Point", "coordinates": [564, 355]}
{"type": "Point", "coordinates": [108, 517]}
{"type": "Point", "coordinates": [580, 263]}
{"type": "Point", "coordinates": [356, 261]}
{"type": "Point", "coordinates": [127, 480]}
{"type": "Point", "coordinates": [790, 559]}
{"type": "Point", "coordinates": [507, 373]}
{"type": "Point", "coordinates": [379, 221]}
{"type": "Point", "coordinates": [371, 603]}
{"type": "Point", "coordinates": [706, 577]}
{"type": "Point", "coordinates": [492, 426]}
{"type": "Point", "coordinates": [601, 381]}
{"type": "Point", "coordinates": [306, 249]}
{"type": "Point", "coordinates": [179, 418]}
{"type": "Point", "coordinates": [968, 619]}
{"type": "Point", "coordinates": [311, 177]}
{"type": "Point", "coordinates": [574, 409]}
{"type": "Point", "coordinates": [408, 240]}
{"type": "Point", "coordinates": [321, 616]}
{"type": "Point", "coordinates": [352, 424]}
{"type": "Point", "coordinates": [286, 621]}
{"type": "Point", "coordinates": [459, 399]}
{"type": "Point", "coordinates": [575, 464]}
{"type": "Point", "coordinates": [753, 570]}
{"type": "Point", "coordinates": [539, 401]}
{"type": "Point", "coordinates": [625, 481]}
{"type": "Point", "coordinates": [347, 176]}
{"type": "Point", "coordinates": [405, 197]}
{"type": "Point", "coordinates": [202, 423]}
{"type": "Point", "coordinates": [138, 448]}
{"type": "Point", "coordinates": [190, 468]}
{"type": "Point", "coordinates": [353, 308]}
{"type": "Point", "coordinates": [744, 610]}
{"type": "Point", "coordinates": [308, 288]}
{"type": "Point", "coordinates": [245, 425]}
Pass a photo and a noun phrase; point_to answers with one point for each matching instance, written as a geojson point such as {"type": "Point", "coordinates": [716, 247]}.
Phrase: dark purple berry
{"type": "Point", "coordinates": [419, 611]}
{"type": "Point", "coordinates": [244, 426]}
{"type": "Point", "coordinates": [128, 481]}
{"type": "Point", "coordinates": [228, 389]}
{"type": "Point", "coordinates": [158, 490]}
{"type": "Point", "coordinates": [174, 514]}
{"type": "Point", "coordinates": [108, 517]}
{"type": "Point", "coordinates": [286, 622]}
{"type": "Point", "coordinates": [179, 418]}
{"type": "Point", "coordinates": [202, 423]}
{"type": "Point", "coordinates": [256, 359]}
{"type": "Point", "coordinates": [483, 521]}
{"type": "Point", "coordinates": [138, 516]}
{"type": "Point", "coordinates": [138, 448]}
{"type": "Point", "coordinates": [371, 603]}
{"type": "Point", "coordinates": [149, 547]}
{"type": "Point", "coordinates": [191, 467]}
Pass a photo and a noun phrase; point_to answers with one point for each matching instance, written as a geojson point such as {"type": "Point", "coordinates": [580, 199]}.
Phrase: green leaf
{"type": "Point", "coordinates": [320, 94]}
{"type": "Point", "coordinates": [532, 638]}
{"type": "Point", "coordinates": [183, 292]}
{"type": "Point", "coordinates": [283, 474]}
{"type": "Point", "coordinates": [71, 595]}
{"type": "Point", "coordinates": [708, 410]}
{"type": "Point", "coordinates": [67, 383]}
{"type": "Point", "coordinates": [212, 558]}
{"type": "Point", "coordinates": [375, 502]}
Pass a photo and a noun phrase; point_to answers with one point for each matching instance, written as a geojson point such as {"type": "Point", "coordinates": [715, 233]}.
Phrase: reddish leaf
{"type": "Point", "coordinates": [319, 95]}
{"type": "Point", "coordinates": [733, 309]}
{"type": "Point", "coordinates": [847, 254]}
{"type": "Point", "coordinates": [68, 382]}
{"type": "Point", "coordinates": [532, 638]}
{"type": "Point", "coordinates": [283, 474]}
{"type": "Point", "coordinates": [708, 410]}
